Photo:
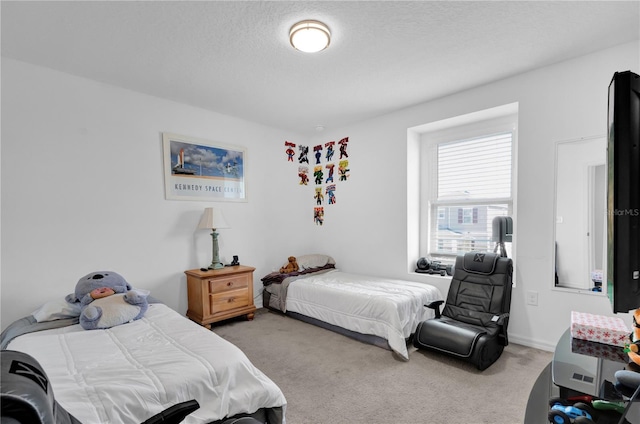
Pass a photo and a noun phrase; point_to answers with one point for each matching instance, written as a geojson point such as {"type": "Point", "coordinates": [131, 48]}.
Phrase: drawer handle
{"type": "Point", "coordinates": [231, 300]}
{"type": "Point", "coordinates": [230, 283]}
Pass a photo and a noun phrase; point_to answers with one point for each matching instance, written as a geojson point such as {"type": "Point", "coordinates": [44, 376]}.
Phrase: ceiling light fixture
{"type": "Point", "coordinates": [309, 36]}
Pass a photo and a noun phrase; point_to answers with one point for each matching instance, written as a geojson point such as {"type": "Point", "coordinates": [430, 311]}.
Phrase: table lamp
{"type": "Point", "coordinates": [213, 218]}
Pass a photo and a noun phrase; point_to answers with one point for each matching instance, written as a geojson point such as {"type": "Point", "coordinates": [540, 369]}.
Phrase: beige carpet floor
{"type": "Point", "coordinates": [329, 378]}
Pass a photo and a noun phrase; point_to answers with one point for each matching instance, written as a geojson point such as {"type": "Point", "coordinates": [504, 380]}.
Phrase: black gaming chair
{"type": "Point", "coordinates": [473, 323]}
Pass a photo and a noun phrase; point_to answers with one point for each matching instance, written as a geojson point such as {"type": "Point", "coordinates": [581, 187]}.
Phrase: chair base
{"type": "Point", "coordinates": [470, 344]}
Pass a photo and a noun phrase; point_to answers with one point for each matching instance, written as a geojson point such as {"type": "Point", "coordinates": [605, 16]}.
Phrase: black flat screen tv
{"type": "Point", "coordinates": [623, 192]}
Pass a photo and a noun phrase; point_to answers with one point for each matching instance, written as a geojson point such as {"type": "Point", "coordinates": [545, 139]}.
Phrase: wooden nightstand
{"type": "Point", "coordinates": [219, 294]}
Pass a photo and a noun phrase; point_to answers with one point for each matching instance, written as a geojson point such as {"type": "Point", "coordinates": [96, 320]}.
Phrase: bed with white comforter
{"type": "Point", "coordinates": [387, 308]}
{"type": "Point", "coordinates": [131, 372]}
{"type": "Point", "coordinates": [390, 309]}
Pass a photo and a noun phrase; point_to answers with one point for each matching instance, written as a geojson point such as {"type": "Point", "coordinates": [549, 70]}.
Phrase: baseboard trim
{"type": "Point", "coordinates": [537, 344]}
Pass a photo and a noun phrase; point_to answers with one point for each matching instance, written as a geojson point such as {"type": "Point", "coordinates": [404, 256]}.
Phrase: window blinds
{"type": "Point", "coordinates": [479, 168]}
{"type": "Point", "coordinates": [473, 187]}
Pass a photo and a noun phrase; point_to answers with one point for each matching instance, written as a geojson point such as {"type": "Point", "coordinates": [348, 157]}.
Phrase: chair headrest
{"type": "Point", "coordinates": [480, 262]}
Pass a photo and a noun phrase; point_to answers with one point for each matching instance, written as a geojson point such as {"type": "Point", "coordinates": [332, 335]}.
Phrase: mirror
{"type": "Point", "coordinates": [580, 212]}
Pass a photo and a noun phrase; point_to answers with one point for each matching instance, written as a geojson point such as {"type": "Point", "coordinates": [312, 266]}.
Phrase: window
{"type": "Point", "coordinates": [467, 215]}
{"type": "Point", "coordinates": [468, 183]}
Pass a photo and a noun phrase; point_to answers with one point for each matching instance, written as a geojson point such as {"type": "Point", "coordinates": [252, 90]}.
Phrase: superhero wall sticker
{"type": "Point", "coordinates": [320, 173]}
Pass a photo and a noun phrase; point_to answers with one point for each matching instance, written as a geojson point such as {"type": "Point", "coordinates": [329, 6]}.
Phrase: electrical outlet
{"type": "Point", "coordinates": [532, 298]}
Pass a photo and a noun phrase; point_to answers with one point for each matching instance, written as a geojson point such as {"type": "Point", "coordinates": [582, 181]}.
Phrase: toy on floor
{"type": "Point", "coordinates": [608, 405]}
{"type": "Point", "coordinates": [291, 266]}
{"type": "Point", "coordinates": [563, 413]}
{"type": "Point", "coordinates": [107, 300]}
{"type": "Point", "coordinates": [585, 409]}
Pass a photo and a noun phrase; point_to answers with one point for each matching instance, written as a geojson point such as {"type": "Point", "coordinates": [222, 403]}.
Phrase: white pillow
{"type": "Point", "coordinates": [57, 309]}
{"type": "Point", "coordinates": [314, 261]}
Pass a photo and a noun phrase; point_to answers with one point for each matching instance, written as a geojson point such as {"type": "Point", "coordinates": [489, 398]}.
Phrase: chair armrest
{"type": "Point", "coordinates": [435, 305]}
{"type": "Point", "coordinates": [503, 321]}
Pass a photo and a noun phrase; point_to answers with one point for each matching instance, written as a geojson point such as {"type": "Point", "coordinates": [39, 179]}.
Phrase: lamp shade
{"type": "Point", "coordinates": [309, 36]}
{"type": "Point", "coordinates": [212, 218]}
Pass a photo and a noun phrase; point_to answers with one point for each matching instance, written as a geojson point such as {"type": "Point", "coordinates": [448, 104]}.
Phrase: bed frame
{"type": "Point", "coordinates": [365, 338]}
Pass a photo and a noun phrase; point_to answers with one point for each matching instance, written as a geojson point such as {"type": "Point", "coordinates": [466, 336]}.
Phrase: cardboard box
{"type": "Point", "coordinates": [600, 329]}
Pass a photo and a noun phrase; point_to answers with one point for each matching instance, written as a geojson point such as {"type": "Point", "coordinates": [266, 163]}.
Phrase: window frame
{"type": "Point", "coordinates": [429, 203]}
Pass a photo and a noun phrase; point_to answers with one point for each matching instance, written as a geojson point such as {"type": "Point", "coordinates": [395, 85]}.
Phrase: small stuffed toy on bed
{"type": "Point", "coordinates": [106, 300]}
{"type": "Point", "coordinates": [290, 266]}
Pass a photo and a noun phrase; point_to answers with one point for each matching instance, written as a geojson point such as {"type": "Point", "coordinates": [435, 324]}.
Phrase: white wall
{"type": "Point", "coordinates": [557, 103]}
{"type": "Point", "coordinates": [83, 191]}
{"type": "Point", "coordinates": [87, 157]}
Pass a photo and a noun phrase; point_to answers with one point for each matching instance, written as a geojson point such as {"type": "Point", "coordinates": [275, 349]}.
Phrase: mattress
{"type": "Point", "coordinates": [386, 308]}
{"type": "Point", "coordinates": [133, 371]}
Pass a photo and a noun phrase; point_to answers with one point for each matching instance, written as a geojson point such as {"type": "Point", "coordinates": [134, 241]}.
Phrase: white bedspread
{"type": "Point", "coordinates": [390, 309]}
{"type": "Point", "coordinates": [133, 371]}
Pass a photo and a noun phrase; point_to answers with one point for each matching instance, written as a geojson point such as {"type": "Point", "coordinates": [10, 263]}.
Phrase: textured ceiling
{"type": "Point", "coordinates": [234, 57]}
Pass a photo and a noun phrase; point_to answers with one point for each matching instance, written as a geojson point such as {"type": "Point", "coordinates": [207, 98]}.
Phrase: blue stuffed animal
{"type": "Point", "coordinates": [107, 300]}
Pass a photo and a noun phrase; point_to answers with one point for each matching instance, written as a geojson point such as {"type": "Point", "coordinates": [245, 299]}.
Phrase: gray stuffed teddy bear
{"type": "Point", "coordinates": [107, 300]}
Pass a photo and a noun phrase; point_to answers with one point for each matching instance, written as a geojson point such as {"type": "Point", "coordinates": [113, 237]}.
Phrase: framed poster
{"type": "Point", "coordinates": [197, 169]}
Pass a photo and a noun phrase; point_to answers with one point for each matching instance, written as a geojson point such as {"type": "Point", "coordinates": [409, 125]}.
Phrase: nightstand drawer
{"type": "Point", "coordinates": [229, 299]}
{"type": "Point", "coordinates": [231, 282]}
{"type": "Point", "coordinates": [219, 294]}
